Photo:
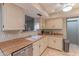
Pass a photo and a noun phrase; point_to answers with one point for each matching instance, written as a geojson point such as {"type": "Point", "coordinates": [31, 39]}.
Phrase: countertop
{"type": "Point", "coordinates": [35, 38]}
{"type": "Point", "coordinates": [10, 46]}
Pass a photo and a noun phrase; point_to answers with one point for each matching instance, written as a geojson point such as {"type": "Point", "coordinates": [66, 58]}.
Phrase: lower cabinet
{"type": "Point", "coordinates": [36, 48]}
{"type": "Point", "coordinates": [42, 46]}
{"type": "Point", "coordinates": [59, 43]}
{"type": "Point", "coordinates": [55, 42]}
{"type": "Point", "coordinates": [51, 42]}
{"type": "Point", "coordinates": [27, 51]}
{"type": "Point", "coordinates": [1, 53]}
{"type": "Point", "coordinates": [39, 46]}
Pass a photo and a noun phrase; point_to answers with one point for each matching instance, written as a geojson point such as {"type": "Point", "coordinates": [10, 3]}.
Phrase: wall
{"type": "Point", "coordinates": [4, 36]}
{"type": "Point", "coordinates": [65, 28]}
{"type": "Point", "coordinates": [0, 17]}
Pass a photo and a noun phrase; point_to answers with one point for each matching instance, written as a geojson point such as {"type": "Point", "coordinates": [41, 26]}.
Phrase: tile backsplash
{"type": "Point", "coordinates": [9, 35]}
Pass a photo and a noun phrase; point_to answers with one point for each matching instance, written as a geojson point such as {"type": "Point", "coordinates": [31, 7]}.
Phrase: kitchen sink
{"type": "Point", "coordinates": [34, 37]}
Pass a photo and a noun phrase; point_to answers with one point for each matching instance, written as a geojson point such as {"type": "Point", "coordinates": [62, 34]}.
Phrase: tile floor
{"type": "Point", "coordinates": [73, 51]}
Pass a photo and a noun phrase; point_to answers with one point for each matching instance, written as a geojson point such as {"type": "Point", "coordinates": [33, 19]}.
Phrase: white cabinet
{"type": "Point", "coordinates": [36, 48]}
{"type": "Point", "coordinates": [1, 53]}
{"type": "Point", "coordinates": [49, 24]}
{"type": "Point", "coordinates": [42, 23]}
{"type": "Point", "coordinates": [51, 42]}
{"type": "Point", "coordinates": [58, 24]}
{"type": "Point", "coordinates": [27, 51]}
{"type": "Point", "coordinates": [59, 43]}
{"type": "Point", "coordinates": [54, 24]}
{"type": "Point", "coordinates": [12, 17]}
{"type": "Point", "coordinates": [43, 45]}
{"type": "Point", "coordinates": [45, 42]}
{"type": "Point", "coordinates": [21, 52]}
{"type": "Point", "coordinates": [39, 46]}
{"type": "Point", "coordinates": [55, 42]}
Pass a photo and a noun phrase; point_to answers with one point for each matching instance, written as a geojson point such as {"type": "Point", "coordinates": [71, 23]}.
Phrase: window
{"type": "Point", "coordinates": [36, 26]}
{"type": "Point", "coordinates": [29, 23]}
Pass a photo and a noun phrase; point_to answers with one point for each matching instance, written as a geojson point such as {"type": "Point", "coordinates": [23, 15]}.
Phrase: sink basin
{"type": "Point", "coordinates": [34, 37]}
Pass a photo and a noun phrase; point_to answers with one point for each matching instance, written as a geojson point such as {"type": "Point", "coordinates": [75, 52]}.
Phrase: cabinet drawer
{"type": "Point", "coordinates": [27, 51]}
{"type": "Point", "coordinates": [20, 52]}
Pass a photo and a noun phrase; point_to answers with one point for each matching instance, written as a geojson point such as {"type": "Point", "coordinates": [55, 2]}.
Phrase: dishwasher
{"type": "Point", "coordinates": [26, 51]}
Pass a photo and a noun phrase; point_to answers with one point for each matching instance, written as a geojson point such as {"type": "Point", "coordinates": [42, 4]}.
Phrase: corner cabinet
{"type": "Point", "coordinates": [55, 42]}
{"type": "Point", "coordinates": [54, 24]}
{"type": "Point", "coordinates": [12, 17]}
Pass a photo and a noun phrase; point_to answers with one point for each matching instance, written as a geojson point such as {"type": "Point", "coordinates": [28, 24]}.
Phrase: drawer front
{"type": "Point", "coordinates": [27, 51]}
{"type": "Point", "coordinates": [20, 53]}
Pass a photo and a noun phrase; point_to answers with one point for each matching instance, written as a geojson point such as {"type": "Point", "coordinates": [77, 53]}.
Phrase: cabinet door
{"type": "Point", "coordinates": [50, 24]}
{"type": "Point", "coordinates": [54, 24]}
{"type": "Point", "coordinates": [45, 40]}
{"type": "Point", "coordinates": [51, 42]}
{"type": "Point", "coordinates": [13, 17]}
{"type": "Point", "coordinates": [36, 48]}
{"type": "Point", "coordinates": [41, 46]}
{"type": "Point", "coordinates": [42, 24]}
{"type": "Point", "coordinates": [58, 24]}
{"type": "Point", "coordinates": [1, 53]}
{"type": "Point", "coordinates": [59, 43]}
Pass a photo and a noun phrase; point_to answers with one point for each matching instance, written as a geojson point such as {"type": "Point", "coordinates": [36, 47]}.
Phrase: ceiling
{"type": "Point", "coordinates": [48, 10]}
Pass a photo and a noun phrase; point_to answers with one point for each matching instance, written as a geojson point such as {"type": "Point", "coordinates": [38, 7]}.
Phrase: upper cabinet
{"type": "Point", "coordinates": [42, 23]}
{"type": "Point", "coordinates": [13, 17]}
{"type": "Point", "coordinates": [54, 24]}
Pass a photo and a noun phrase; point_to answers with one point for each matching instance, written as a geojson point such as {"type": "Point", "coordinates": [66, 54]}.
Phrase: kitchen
{"type": "Point", "coordinates": [29, 29]}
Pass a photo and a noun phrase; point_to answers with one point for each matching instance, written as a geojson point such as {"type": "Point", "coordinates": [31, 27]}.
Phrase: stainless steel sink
{"type": "Point", "coordinates": [34, 37]}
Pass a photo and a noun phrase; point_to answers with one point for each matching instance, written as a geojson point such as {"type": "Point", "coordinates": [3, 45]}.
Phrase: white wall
{"type": "Point", "coordinates": [0, 17]}
{"type": "Point", "coordinates": [65, 28]}
{"type": "Point", "coordinates": [4, 36]}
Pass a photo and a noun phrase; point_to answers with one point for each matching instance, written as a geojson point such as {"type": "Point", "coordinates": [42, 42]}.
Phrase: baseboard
{"type": "Point", "coordinates": [56, 49]}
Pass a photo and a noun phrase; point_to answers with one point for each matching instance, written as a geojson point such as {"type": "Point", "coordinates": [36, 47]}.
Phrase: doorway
{"type": "Point", "coordinates": [72, 30]}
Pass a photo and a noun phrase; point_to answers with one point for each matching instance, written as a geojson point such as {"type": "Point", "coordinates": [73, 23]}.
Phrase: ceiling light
{"type": "Point", "coordinates": [68, 8]}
